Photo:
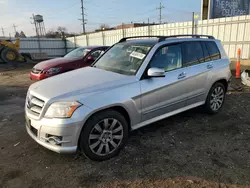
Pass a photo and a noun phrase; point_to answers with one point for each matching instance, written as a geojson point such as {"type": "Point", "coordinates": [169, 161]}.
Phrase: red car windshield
{"type": "Point", "coordinates": [79, 52]}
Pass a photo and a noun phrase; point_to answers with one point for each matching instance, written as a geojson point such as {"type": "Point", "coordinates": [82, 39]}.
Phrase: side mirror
{"type": "Point", "coordinates": [156, 72]}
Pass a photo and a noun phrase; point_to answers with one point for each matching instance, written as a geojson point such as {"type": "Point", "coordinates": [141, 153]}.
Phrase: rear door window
{"type": "Point", "coordinates": [192, 53]}
{"type": "Point", "coordinates": [213, 50]}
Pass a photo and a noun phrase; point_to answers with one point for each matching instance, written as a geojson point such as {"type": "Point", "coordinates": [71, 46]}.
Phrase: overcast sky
{"type": "Point", "coordinates": [112, 12]}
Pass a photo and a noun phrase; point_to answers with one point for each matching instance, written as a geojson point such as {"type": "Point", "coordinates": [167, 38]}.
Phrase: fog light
{"type": "Point", "coordinates": [54, 140]}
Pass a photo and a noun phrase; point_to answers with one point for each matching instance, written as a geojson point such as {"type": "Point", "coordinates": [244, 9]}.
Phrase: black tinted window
{"type": "Point", "coordinates": [167, 58]}
{"type": "Point", "coordinates": [205, 52]}
{"type": "Point", "coordinates": [213, 50]}
{"type": "Point", "coordinates": [192, 53]}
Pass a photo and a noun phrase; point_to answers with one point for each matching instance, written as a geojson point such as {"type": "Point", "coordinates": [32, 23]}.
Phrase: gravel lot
{"type": "Point", "coordinates": [191, 149]}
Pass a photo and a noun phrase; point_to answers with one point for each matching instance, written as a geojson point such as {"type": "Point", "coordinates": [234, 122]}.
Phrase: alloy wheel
{"type": "Point", "coordinates": [105, 137]}
{"type": "Point", "coordinates": [217, 98]}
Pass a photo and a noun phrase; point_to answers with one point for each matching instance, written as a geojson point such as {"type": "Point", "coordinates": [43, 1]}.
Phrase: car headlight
{"type": "Point", "coordinates": [54, 70]}
{"type": "Point", "coordinates": [62, 109]}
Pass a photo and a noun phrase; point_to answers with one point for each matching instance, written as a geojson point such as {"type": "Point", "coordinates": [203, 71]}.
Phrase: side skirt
{"type": "Point", "coordinates": [158, 118]}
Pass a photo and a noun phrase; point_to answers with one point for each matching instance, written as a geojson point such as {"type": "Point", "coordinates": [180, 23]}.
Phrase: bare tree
{"type": "Point", "coordinates": [53, 34]}
{"type": "Point", "coordinates": [22, 34]}
{"type": "Point", "coordinates": [104, 26]}
{"type": "Point", "coordinates": [17, 35]}
{"type": "Point", "coordinates": [62, 29]}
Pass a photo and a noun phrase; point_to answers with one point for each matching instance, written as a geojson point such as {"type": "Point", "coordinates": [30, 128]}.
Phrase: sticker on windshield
{"type": "Point", "coordinates": [132, 70]}
{"type": "Point", "coordinates": [137, 55]}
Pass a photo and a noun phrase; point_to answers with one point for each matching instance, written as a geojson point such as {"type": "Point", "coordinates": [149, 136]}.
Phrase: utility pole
{"type": "Point", "coordinates": [3, 32]}
{"type": "Point", "coordinates": [83, 20]}
{"type": "Point", "coordinates": [160, 16]}
{"type": "Point", "coordinates": [14, 26]}
{"type": "Point", "coordinates": [193, 23]}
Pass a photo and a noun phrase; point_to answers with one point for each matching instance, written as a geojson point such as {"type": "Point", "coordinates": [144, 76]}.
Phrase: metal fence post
{"type": "Point", "coordinates": [123, 31]}
{"type": "Point", "coordinates": [39, 44]}
{"type": "Point", "coordinates": [148, 28]}
{"type": "Point", "coordinates": [65, 42]}
{"type": "Point", "coordinates": [103, 38]}
{"type": "Point", "coordinates": [75, 41]}
{"type": "Point", "coordinates": [87, 39]}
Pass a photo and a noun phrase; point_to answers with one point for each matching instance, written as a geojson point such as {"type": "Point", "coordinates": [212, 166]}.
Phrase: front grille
{"type": "Point", "coordinates": [36, 71]}
{"type": "Point", "coordinates": [34, 105]}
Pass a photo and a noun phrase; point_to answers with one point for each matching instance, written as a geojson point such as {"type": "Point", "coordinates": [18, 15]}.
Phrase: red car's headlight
{"type": "Point", "coordinates": [53, 70]}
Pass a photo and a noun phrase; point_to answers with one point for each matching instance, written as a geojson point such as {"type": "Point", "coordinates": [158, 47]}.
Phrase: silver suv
{"type": "Point", "coordinates": [135, 83]}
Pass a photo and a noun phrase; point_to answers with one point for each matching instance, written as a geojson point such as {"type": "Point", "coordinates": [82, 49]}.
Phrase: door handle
{"type": "Point", "coordinates": [210, 65]}
{"type": "Point", "coordinates": [182, 75]}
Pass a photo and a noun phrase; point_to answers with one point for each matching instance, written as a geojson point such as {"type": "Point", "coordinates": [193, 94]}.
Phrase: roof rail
{"type": "Point", "coordinates": [193, 36]}
{"type": "Point", "coordinates": [162, 38]}
{"type": "Point", "coordinates": [149, 36]}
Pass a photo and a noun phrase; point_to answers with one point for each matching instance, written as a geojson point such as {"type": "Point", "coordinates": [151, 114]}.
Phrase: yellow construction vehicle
{"type": "Point", "coordinates": [9, 51]}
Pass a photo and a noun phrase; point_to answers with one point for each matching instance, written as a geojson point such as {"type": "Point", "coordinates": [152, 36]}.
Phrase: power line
{"type": "Point", "coordinates": [160, 8]}
{"type": "Point", "coordinates": [60, 12]}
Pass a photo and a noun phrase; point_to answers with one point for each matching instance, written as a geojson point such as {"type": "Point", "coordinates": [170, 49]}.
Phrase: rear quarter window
{"type": "Point", "coordinates": [213, 50]}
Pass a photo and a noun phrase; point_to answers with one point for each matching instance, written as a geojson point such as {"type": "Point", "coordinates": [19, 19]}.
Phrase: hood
{"type": "Point", "coordinates": [84, 81]}
{"type": "Point", "coordinates": [52, 63]}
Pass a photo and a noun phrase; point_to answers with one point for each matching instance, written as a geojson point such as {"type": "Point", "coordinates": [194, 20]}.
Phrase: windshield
{"type": "Point", "coordinates": [124, 58]}
{"type": "Point", "coordinates": [79, 52]}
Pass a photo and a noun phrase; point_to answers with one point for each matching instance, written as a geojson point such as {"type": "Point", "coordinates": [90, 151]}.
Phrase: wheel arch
{"type": "Point", "coordinates": [223, 81]}
{"type": "Point", "coordinates": [117, 107]}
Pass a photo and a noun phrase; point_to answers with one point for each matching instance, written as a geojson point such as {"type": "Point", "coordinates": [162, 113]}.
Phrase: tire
{"type": "Point", "coordinates": [215, 98]}
{"type": "Point", "coordinates": [96, 147]}
{"type": "Point", "coordinates": [1, 49]}
{"type": "Point", "coordinates": [5, 55]}
{"type": "Point", "coordinates": [27, 58]}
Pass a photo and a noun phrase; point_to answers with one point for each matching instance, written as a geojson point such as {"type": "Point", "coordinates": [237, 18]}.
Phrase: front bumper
{"type": "Point", "coordinates": [66, 131]}
{"type": "Point", "coordinates": [38, 76]}
{"type": "Point", "coordinates": [55, 148]}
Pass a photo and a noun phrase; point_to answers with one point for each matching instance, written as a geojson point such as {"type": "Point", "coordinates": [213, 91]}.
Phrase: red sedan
{"type": "Point", "coordinates": [78, 58]}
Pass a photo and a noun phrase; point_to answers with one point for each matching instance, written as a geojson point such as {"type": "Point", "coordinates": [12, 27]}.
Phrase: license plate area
{"type": "Point", "coordinates": [27, 121]}
{"type": "Point", "coordinates": [31, 128]}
